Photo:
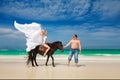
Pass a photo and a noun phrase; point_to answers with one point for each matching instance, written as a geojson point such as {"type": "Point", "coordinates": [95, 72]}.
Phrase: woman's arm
{"type": "Point", "coordinates": [45, 40]}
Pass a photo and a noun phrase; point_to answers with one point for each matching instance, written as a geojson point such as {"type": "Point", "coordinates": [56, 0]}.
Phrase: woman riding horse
{"type": "Point", "coordinates": [53, 47]}
{"type": "Point", "coordinates": [32, 32]}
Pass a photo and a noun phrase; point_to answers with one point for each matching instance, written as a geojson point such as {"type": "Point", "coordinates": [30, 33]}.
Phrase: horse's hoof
{"type": "Point", "coordinates": [37, 65]}
{"type": "Point", "coordinates": [53, 65]}
{"type": "Point", "coordinates": [33, 66]}
{"type": "Point", "coordinates": [46, 65]}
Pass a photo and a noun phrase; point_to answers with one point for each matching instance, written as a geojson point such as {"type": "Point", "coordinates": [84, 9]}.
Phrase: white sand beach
{"type": "Point", "coordinates": [14, 67]}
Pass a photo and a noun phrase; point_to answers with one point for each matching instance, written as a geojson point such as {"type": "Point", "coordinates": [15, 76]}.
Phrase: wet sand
{"type": "Point", "coordinates": [88, 68]}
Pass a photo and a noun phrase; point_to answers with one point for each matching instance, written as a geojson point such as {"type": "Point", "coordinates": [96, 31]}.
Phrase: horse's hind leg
{"type": "Point", "coordinates": [32, 60]}
{"type": "Point", "coordinates": [29, 57]}
{"type": "Point", "coordinates": [47, 60]}
{"type": "Point", "coordinates": [35, 59]}
{"type": "Point", "coordinates": [52, 61]}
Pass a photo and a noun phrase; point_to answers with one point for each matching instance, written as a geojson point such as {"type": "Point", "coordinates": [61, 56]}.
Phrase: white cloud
{"type": "Point", "coordinates": [90, 35]}
{"type": "Point", "coordinates": [12, 39]}
{"type": "Point", "coordinates": [106, 33]}
{"type": "Point", "coordinates": [107, 8]}
{"type": "Point", "coordinates": [46, 9]}
{"type": "Point", "coordinates": [10, 33]}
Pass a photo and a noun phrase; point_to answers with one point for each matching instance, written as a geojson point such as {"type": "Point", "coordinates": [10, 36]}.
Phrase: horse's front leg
{"type": "Point", "coordinates": [47, 60]}
{"type": "Point", "coordinates": [52, 61]}
{"type": "Point", "coordinates": [32, 58]}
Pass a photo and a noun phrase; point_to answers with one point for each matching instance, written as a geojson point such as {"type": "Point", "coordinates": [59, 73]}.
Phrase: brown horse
{"type": "Point", "coordinates": [41, 49]}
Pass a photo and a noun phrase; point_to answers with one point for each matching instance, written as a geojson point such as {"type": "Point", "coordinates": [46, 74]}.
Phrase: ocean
{"type": "Point", "coordinates": [85, 52]}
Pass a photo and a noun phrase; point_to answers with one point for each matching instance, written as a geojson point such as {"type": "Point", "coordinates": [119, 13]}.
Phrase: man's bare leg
{"type": "Point", "coordinates": [76, 64]}
{"type": "Point", "coordinates": [68, 63]}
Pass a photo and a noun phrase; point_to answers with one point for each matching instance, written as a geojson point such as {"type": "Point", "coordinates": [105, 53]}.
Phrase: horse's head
{"type": "Point", "coordinates": [59, 45]}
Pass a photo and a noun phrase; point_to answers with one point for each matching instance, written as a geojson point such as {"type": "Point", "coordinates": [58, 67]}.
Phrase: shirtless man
{"type": "Point", "coordinates": [75, 46]}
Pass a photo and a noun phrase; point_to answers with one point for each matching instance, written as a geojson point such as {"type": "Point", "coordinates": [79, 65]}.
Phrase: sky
{"type": "Point", "coordinates": [96, 22]}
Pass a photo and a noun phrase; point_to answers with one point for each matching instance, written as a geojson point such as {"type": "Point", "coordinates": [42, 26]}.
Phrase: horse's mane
{"type": "Point", "coordinates": [54, 43]}
{"type": "Point", "coordinates": [51, 44]}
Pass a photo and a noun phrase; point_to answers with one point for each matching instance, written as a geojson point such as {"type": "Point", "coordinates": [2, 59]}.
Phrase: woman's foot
{"type": "Point", "coordinates": [44, 55]}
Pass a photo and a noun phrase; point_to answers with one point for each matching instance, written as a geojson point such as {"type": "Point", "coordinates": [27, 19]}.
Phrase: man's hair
{"type": "Point", "coordinates": [75, 35]}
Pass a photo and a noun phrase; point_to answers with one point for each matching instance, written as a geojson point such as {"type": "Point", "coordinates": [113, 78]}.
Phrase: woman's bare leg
{"type": "Point", "coordinates": [48, 48]}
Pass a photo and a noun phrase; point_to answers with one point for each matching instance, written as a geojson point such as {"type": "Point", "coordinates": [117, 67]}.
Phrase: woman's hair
{"type": "Point", "coordinates": [44, 31]}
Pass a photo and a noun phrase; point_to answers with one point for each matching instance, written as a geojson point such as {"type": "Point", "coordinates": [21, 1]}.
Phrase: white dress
{"type": "Point", "coordinates": [32, 32]}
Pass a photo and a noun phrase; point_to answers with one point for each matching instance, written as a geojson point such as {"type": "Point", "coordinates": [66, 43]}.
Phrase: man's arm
{"type": "Point", "coordinates": [80, 47]}
{"type": "Point", "coordinates": [67, 44]}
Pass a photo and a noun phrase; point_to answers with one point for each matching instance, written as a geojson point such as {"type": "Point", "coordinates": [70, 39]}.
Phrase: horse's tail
{"type": "Point", "coordinates": [29, 57]}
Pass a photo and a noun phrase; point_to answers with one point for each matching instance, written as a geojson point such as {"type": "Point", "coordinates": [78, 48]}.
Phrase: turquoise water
{"type": "Point", "coordinates": [85, 52]}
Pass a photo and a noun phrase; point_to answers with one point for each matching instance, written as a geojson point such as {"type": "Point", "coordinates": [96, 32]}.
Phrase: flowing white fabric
{"type": "Point", "coordinates": [32, 32]}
